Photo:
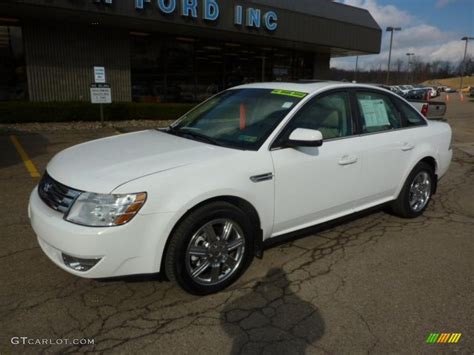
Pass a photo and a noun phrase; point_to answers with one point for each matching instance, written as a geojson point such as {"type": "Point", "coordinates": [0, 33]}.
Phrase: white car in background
{"type": "Point", "coordinates": [405, 89]}
{"type": "Point", "coordinates": [433, 91]}
{"type": "Point", "coordinates": [198, 200]}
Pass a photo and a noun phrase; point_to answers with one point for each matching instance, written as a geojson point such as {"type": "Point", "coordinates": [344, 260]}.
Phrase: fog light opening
{"type": "Point", "coordinates": [78, 264]}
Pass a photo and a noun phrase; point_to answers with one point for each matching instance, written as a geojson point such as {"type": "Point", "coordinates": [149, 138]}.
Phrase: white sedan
{"type": "Point", "coordinates": [198, 200]}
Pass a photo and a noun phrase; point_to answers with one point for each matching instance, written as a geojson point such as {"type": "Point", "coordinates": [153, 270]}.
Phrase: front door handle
{"type": "Point", "coordinates": [407, 146]}
{"type": "Point", "coordinates": [348, 159]}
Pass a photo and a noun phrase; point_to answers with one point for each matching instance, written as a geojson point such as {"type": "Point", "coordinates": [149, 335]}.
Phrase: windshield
{"type": "Point", "coordinates": [239, 118]}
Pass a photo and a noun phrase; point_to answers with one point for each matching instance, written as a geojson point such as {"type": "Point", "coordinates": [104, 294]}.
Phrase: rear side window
{"type": "Point", "coordinates": [412, 117]}
{"type": "Point", "coordinates": [378, 112]}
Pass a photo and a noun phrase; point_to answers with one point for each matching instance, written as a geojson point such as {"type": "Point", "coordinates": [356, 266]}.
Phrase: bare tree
{"type": "Point", "coordinates": [418, 71]}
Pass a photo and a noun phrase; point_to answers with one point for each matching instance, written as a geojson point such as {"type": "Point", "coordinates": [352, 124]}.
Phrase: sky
{"type": "Point", "coordinates": [432, 29]}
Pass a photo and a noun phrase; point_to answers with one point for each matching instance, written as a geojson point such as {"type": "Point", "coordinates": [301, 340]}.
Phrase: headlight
{"type": "Point", "coordinates": [103, 210]}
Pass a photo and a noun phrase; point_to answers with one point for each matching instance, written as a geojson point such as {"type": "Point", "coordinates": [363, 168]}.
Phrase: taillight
{"type": "Point", "coordinates": [424, 110]}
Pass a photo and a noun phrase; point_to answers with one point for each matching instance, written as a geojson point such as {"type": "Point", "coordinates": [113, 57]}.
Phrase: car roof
{"type": "Point", "coordinates": [305, 86]}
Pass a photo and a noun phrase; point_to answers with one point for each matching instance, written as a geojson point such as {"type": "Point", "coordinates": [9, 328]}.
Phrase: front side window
{"type": "Point", "coordinates": [240, 118]}
{"type": "Point", "coordinates": [378, 112]}
{"type": "Point", "coordinates": [329, 114]}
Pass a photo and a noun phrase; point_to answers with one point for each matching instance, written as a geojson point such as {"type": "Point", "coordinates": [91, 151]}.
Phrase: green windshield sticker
{"type": "Point", "coordinates": [297, 94]}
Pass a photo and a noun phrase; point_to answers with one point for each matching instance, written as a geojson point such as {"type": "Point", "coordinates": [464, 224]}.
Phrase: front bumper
{"type": "Point", "coordinates": [134, 248]}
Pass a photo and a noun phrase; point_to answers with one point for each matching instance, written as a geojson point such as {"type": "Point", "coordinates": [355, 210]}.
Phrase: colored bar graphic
{"type": "Point", "coordinates": [432, 338]}
{"type": "Point", "coordinates": [443, 338]}
{"type": "Point", "coordinates": [454, 338]}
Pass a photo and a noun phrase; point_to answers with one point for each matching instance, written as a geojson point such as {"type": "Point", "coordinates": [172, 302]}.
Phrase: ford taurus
{"type": "Point", "coordinates": [198, 200]}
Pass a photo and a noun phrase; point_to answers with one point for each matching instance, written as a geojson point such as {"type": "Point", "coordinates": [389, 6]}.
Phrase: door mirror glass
{"type": "Point", "coordinates": [303, 137]}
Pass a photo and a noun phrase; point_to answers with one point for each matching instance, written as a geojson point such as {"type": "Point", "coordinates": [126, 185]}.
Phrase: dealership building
{"type": "Point", "coordinates": [171, 50]}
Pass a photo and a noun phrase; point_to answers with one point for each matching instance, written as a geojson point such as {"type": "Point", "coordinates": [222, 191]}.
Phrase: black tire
{"type": "Point", "coordinates": [176, 253]}
{"type": "Point", "coordinates": [401, 206]}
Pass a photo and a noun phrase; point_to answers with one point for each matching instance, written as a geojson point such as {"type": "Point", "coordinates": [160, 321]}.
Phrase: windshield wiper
{"type": "Point", "coordinates": [193, 135]}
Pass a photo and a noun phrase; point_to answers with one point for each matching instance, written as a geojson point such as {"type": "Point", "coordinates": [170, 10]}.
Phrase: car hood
{"type": "Point", "coordinates": [104, 164]}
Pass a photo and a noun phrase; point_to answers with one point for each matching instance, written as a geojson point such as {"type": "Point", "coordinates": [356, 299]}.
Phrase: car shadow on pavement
{"type": "Point", "coordinates": [272, 319]}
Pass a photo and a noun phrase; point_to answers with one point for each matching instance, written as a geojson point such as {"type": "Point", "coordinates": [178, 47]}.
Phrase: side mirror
{"type": "Point", "coordinates": [303, 137]}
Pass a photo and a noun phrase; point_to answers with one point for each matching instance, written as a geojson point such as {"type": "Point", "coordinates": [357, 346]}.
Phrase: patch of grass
{"type": "Point", "coordinates": [18, 112]}
{"type": "Point", "coordinates": [452, 82]}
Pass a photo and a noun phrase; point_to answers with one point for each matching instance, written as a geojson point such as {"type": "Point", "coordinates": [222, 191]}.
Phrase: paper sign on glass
{"type": "Point", "coordinates": [375, 113]}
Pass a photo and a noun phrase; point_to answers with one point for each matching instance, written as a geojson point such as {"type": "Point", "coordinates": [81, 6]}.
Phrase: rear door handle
{"type": "Point", "coordinates": [407, 147]}
{"type": "Point", "coordinates": [348, 159]}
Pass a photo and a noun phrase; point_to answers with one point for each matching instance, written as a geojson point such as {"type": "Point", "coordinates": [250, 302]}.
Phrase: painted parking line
{"type": "Point", "coordinates": [26, 159]}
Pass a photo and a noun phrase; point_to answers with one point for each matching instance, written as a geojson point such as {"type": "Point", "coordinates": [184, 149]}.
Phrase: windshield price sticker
{"type": "Point", "coordinates": [297, 94]}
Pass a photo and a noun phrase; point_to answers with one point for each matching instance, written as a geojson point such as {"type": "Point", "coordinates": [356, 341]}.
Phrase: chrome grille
{"type": "Point", "coordinates": [56, 195]}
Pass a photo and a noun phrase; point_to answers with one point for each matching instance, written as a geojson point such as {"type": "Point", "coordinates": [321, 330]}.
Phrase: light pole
{"type": "Point", "coordinates": [356, 68]}
{"type": "Point", "coordinates": [464, 58]}
{"type": "Point", "coordinates": [409, 55]}
{"type": "Point", "coordinates": [391, 29]}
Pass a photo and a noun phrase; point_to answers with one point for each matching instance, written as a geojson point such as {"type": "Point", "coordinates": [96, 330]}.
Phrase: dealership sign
{"type": "Point", "coordinates": [209, 10]}
{"type": "Point", "coordinates": [250, 17]}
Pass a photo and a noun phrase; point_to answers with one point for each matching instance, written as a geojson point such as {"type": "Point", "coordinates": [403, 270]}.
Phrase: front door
{"type": "Point", "coordinates": [315, 184]}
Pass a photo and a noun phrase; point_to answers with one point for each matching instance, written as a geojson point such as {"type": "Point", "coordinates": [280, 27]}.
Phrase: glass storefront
{"type": "Point", "coordinates": [13, 83]}
{"type": "Point", "coordinates": [181, 69]}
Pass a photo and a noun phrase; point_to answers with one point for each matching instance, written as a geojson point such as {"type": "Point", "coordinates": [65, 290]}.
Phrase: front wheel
{"type": "Point", "coordinates": [416, 193]}
{"type": "Point", "coordinates": [210, 248]}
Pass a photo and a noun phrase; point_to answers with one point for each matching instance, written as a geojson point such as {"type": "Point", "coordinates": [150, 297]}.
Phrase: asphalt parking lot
{"type": "Point", "coordinates": [376, 284]}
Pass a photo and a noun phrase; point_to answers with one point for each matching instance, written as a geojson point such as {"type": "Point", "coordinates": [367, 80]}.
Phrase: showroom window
{"type": "Point", "coordinates": [13, 85]}
{"type": "Point", "coordinates": [166, 68]}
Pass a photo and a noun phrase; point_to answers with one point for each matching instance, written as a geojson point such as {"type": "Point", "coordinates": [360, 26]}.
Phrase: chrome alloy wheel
{"type": "Point", "coordinates": [215, 252]}
{"type": "Point", "coordinates": [420, 191]}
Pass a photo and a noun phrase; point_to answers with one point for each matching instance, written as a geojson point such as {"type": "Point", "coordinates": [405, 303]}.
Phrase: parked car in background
{"type": "Point", "coordinates": [405, 88]}
{"type": "Point", "coordinates": [433, 110]}
{"type": "Point", "coordinates": [394, 89]}
{"type": "Point", "coordinates": [450, 90]}
{"type": "Point", "coordinates": [418, 94]}
{"type": "Point", "coordinates": [434, 92]}
{"type": "Point", "coordinates": [421, 99]}
{"type": "Point", "coordinates": [198, 200]}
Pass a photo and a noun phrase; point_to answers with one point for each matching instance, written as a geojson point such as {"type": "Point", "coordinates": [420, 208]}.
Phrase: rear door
{"type": "Point", "coordinates": [386, 146]}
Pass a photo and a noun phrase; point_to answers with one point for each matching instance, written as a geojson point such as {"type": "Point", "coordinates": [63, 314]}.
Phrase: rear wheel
{"type": "Point", "coordinates": [416, 193]}
{"type": "Point", "coordinates": [210, 248]}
